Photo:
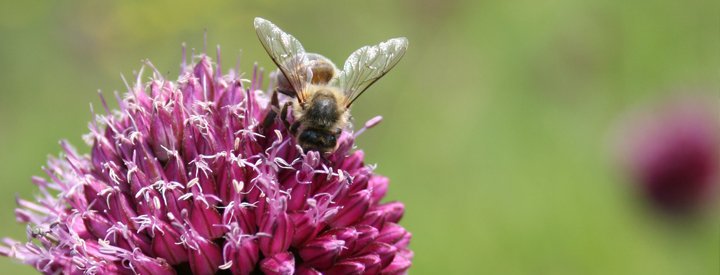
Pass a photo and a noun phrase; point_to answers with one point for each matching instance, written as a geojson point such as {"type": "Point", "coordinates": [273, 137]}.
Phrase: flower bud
{"type": "Point", "coordinates": [321, 252]}
{"type": "Point", "coordinates": [244, 256]}
{"type": "Point", "coordinates": [385, 251]}
{"type": "Point", "coordinates": [280, 232]}
{"type": "Point", "coordinates": [279, 264]}
{"type": "Point", "coordinates": [347, 267]}
{"type": "Point", "coordinates": [353, 208]}
{"type": "Point", "coordinates": [399, 265]}
{"type": "Point", "coordinates": [206, 259]}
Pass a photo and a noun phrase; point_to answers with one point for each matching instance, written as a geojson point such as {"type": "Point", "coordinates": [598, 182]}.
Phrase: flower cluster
{"type": "Point", "coordinates": [189, 176]}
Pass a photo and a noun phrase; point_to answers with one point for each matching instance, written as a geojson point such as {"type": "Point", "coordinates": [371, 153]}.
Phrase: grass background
{"type": "Point", "coordinates": [496, 122]}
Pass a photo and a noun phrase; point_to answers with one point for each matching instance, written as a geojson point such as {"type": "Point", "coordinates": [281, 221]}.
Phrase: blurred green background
{"type": "Point", "coordinates": [496, 122]}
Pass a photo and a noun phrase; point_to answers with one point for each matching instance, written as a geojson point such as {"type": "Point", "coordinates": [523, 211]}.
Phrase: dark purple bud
{"type": "Point", "coordinates": [372, 263]}
{"type": "Point", "coordinates": [96, 224]}
{"type": "Point", "coordinates": [244, 256]}
{"type": "Point", "coordinates": [206, 259]}
{"type": "Point", "coordinates": [347, 268]}
{"type": "Point", "coordinates": [354, 161]}
{"type": "Point", "coordinates": [299, 196]}
{"type": "Point", "coordinates": [366, 235]}
{"type": "Point", "coordinates": [391, 233]}
{"type": "Point", "coordinates": [379, 214]}
{"type": "Point", "coordinates": [392, 211]}
{"type": "Point", "coordinates": [385, 251]}
{"type": "Point", "coordinates": [205, 219]}
{"type": "Point", "coordinates": [404, 241]}
{"type": "Point", "coordinates": [144, 265]}
{"type": "Point", "coordinates": [379, 186]}
{"type": "Point", "coordinates": [373, 217]}
{"type": "Point", "coordinates": [279, 230]}
{"type": "Point", "coordinates": [305, 228]}
{"type": "Point", "coordinates": [166, 245]}
{"type": "Point", "coordinates": [399, 265]}
{"type": "Point", "coordinates": [348, 235]}
{"type": "Point", "coordinates": [321, 252]}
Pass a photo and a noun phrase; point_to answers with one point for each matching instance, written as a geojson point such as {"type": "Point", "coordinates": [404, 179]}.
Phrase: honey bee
{"type": "Point", "coordinates": [322, 93]}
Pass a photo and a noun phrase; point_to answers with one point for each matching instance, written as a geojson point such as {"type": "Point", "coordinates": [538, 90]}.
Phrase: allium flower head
{"type": "Point", "coordinates": [673, 153]}
{"type": "Point", "coordinates": [186, 177]}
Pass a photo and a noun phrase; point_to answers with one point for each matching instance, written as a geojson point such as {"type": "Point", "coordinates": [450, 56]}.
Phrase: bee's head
{"type": "Point", "coordinates": [317, 140]}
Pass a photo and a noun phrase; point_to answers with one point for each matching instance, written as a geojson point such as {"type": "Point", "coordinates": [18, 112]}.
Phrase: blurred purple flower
{"type": "Point", "coordinates": [673, 153]}
{"type": "Point", "coordinates": [183, 178]}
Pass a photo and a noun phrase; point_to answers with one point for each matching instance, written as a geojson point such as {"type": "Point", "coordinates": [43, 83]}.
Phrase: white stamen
{"type": "Point", "coordinates": [226, 265]}
{"type": "Point", "coordinates": [239, 185]}
{"type": "Point", "coordinates": [193, 182]}
{"type": "Point", "coordinates": [157, 202]}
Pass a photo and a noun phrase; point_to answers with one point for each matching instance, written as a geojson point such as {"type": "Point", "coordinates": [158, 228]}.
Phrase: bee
{"type": "Point", "coordinates": [322, 94]}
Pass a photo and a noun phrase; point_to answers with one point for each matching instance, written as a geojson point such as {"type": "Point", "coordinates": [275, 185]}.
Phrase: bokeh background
{"type": "Point", "coordinates": [496, 122]}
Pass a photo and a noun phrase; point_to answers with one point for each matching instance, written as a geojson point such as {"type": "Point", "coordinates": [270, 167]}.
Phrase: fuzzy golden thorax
{"type": "Point", "coordinates": [321, 118]}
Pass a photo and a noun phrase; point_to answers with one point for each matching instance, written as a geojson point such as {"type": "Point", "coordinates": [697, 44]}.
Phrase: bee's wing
{"type": "Point", "coordinates": [287, 53]}
{"type": "Point", "coordinates": [367, 65]}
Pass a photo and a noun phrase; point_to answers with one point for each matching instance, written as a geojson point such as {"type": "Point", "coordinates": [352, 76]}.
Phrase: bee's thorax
{"type": "Point", "coordinates": [321, 118]}
{"type": "Point", "coordinates": [323, 108]}
{"type": "Point", "coordinates": [322, 111]}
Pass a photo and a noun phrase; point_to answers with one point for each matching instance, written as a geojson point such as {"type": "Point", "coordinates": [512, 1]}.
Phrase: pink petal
{"type": "Point", "coordinates": [367, 235]}
{"type": "Point", "coordinates": [165, 245]}
{"type": "Point", "coordinates": [353, 208]}
{"type": "Point", "coordinates": [245, 256]}
{"type": "Point", "coordinates": [379, 187]}
{"type": "Point", "coordinates": [279, 264]}
{"type": "Point", "coordinates": [348, 235]}
{"type": "Point", "coordinates": [391, 233]}
{"type": "Point", "coordinates": [205, 220]}
{"type": "Point", "coordinates": [347, 268]}
{"type": "Point", "coordinates": [307, 271]}
{"type": "Point", "coordinates": [205, 260]}
{"type": "Point", "coordinates": [399, 265]}
{"type": "Point", "coordinates": [152, 266]}
{"type": "Point", "coordinates": [385, 251]}
{"type": "Point", "coordinates": [305, 228]}
{"type": "Point", "coordinates": [371, 262]}
{"type": "Point", "coordinates": [281, 233]}
{"type": "Point", "coordinates": [392, 211]}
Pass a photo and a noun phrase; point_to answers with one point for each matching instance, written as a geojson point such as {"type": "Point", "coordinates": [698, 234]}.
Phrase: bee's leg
{"type": "Point", "coordinates": [272, 111]}
{"type": "Point", "coordinates": [269, 119]}
{"type": "Point", "coordinates": [274, 101]}
{"type": "Point", "coordinates": [283, 118]}
{"type": "Point", "coordinates": [294, 127]}
{"type": "Point", "coordinates": [289, 93]}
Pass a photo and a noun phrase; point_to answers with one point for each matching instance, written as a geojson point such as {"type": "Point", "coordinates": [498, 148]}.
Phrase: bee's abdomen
{"type": "Point", "coordinates": [316, 139]}
{"type": "Point", "coordinates": [323, 70]}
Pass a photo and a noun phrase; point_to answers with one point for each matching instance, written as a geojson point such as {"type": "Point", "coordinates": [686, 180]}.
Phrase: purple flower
{"type": "Point", "coordinates": [673, 153]}
{"type": "Point", "coordinates": [187, 177]}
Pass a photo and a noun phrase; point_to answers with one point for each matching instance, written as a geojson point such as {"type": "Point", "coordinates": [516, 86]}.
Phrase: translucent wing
{"type": "Point", "coordinates": [287, 53]}
{"type": "Point", "coordinates": [367, 65]}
